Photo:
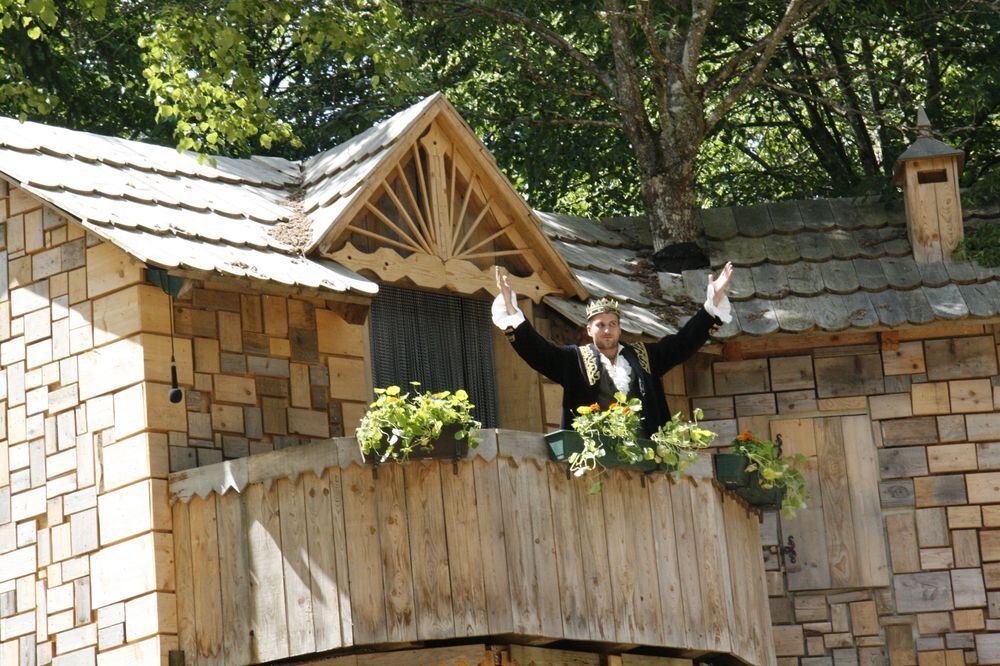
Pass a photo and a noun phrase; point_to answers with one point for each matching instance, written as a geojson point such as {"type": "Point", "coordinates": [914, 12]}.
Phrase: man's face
{"type": "Point", "coordinates": [604, 330]}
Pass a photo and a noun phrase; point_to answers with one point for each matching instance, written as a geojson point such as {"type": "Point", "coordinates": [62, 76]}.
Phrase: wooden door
{"type": "Point", "coordinates": [838, 539]}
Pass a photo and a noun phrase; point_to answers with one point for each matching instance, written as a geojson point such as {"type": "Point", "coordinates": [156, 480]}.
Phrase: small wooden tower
{"type": "Point", "coordinates": [928, 172]}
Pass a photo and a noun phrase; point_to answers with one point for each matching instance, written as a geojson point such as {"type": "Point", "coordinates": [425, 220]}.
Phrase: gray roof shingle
{"type": "Point", "coordinates": [821, 265]}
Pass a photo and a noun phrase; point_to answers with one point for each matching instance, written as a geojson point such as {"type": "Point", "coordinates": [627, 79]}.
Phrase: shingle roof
{"type": "Point", "coordinates": [233, 216]}
{"type": "Point", "coordinates": [817, 265]}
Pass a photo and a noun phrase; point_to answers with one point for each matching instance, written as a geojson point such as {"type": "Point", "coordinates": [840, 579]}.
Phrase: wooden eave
{"type": "Point", "coordinates": [523, 219]}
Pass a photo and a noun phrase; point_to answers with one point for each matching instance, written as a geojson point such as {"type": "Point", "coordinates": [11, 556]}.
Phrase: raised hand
{"type": "Point", "coordinates": [721, 282]}
{"type": "Point", "coordinates": [503, 284]}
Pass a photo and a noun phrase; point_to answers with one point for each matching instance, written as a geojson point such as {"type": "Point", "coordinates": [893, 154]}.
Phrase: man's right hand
{"type": "Point", "coordinates": [503, 284]}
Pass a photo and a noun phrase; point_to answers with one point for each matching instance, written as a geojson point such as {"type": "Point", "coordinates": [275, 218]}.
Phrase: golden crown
{"type": "Point", "coordinates": [601, 306]}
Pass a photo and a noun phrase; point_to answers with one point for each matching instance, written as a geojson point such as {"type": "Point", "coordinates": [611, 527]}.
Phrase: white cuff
{"type": "Point", "coordinates": [503, 320]}
{"type": "Point", "coordinates": [723, 310]}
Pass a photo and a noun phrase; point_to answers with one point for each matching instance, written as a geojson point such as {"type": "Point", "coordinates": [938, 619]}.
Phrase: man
{"type": "Point", "coordinates": [593, 373]}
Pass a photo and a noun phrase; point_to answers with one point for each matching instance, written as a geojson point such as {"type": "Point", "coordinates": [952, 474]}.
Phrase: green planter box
{"type": "Point", "coordinates": [730, 471]}
{"type": "Point", "coordinates": [563, 443]}
{"type": "Point", "coordinates": [445, 447]}
{"type": "Point", "coordinates": [762, 498]}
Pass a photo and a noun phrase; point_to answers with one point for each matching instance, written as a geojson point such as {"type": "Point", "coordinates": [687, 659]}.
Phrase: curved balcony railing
{"type": "Point", "coordinates": [305, 551]}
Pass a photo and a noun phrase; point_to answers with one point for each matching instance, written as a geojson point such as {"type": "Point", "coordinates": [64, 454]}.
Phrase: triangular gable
{"type": "Point", "coordinates": [420, 200]}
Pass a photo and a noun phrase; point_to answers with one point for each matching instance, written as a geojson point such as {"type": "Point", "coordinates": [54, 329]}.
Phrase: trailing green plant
{"type": "Point", "coordinates": [775, 470]}
{"type": "Point", "coordinates": [397, 425]}
{"type": "Point", "coordinates": [675, 444]}
{"type": "Point", "coordinates": [980, 244]}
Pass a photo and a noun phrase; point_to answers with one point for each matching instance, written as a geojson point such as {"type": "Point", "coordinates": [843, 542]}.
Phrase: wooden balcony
{"type": "Point", "coordinates": [302, 551]}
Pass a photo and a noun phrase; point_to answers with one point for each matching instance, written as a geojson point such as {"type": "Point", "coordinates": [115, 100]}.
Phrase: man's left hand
{"type": "Point", "coordinates": [721, 283]}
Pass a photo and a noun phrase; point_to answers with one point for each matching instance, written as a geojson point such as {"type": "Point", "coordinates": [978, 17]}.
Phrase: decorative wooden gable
{"type": "Point", "coordinates": [438, 214]}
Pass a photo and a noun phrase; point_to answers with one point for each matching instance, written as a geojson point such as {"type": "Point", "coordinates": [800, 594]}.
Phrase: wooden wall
{"type": "Point", "coordinates": [86, 569]}
{"type": "Point", "coordinates": [269, 372]}
{"type": "Point", "coordinates": [896, 558]}
{"type": "Point", "coordinates": [310, 553]}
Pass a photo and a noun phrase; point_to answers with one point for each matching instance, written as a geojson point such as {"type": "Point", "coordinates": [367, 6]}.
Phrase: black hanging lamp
{"type": "Point", "coordinates": [172, 285]}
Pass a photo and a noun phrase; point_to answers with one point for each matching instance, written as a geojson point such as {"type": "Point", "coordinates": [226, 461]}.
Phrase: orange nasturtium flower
{"type": "Point", "coordinates": [595, 407]}
{"type": "Point", "coordinates": [746, 436]}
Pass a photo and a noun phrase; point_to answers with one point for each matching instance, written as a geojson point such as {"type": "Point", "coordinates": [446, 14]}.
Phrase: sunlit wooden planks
{"type": "Point", "coordinates": [486, 547]}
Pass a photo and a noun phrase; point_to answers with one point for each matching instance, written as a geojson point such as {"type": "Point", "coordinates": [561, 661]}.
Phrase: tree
{"type": "Point", "coordinates": [214, 76]}
{"type": "Point", "coordinates": [664, 75]}
{"type": "Point", "coordinates": [838, 104]}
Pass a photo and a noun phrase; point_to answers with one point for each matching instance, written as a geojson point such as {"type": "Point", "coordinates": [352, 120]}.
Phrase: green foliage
{"type": "Point", "coordinates": [981, 244]}
{"type": "Point", "coordinates": [215, 74]}
{"type": "Point", "coordinates": [675, 444]}
{"type": "Point", "coordinates": [775, 470]}
{"type": "Point", "coordinates": [396, 425]}
{"type": "Point", "coordinates": [616, 426]}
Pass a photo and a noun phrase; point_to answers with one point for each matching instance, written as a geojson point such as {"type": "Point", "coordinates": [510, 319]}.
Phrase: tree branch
{"type": "Point", "coordinates": [766, 46]}
{"type": "Point", "coordinates": [543, 31]}
{"type": "Point", "coordinates": [701, 15]}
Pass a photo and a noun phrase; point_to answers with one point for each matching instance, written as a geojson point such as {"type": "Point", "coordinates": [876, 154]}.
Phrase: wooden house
{"type": "Point", "coordinates": [239, 525]}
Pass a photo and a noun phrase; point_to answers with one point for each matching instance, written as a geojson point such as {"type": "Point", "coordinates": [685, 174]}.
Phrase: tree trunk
{"type": "Point", "coordinates": [668, 198]}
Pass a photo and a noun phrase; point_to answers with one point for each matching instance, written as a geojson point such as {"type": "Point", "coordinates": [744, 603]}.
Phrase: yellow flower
{"type": "Point", "coordinates": [583, 409]}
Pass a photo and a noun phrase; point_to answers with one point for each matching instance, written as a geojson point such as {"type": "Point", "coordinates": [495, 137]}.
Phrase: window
{"type": "Point", "coordinates": [444, 342]}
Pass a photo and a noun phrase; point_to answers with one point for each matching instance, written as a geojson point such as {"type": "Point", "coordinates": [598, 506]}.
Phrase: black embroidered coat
{"type": "Point", "coordinates": [578, 368]}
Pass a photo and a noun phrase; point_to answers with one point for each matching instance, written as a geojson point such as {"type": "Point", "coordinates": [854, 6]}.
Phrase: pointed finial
{"type": "Point", "coordinates": [923, 122]}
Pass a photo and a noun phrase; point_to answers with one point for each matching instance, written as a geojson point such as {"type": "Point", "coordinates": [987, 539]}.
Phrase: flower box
{"type": "Point", "coordinates": [563, 443]}
{"type": "Point", "coordinates": [445, 447]}
{"type": "Point", "coordinates": [730, 471]}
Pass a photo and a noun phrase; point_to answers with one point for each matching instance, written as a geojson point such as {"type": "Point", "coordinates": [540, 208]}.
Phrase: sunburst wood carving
{"type": "Point", "coordinates": [435, 221]}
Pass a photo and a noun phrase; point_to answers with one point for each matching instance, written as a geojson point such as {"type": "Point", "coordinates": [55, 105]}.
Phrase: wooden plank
{"type": "Point", "coordinates": [186, 621]}
{"type": "Point", "coordinates": [715, 581]}
{"type": "Point", "coordinates": [849, 375]}
{"type": "Point", "coordinates": [235, 583]}
{"type": "Point", "coordinates": [468, 591]}
{"type": "Point", "coordinates": [811, 571]}
{"type": "Point", "coordinates": [496, 584]}
{"type": "Point", "coordinates": [930, 398]}
{"type": "Point", "coordinates": [543, 540]}
{"type": "Point", "coordinates": [364, 565]}
{"type": "Point", "coordinates": [429, 553]}
{"type": "Point", "coordinates": [902, 532]}
{"type": "Point", "coordinates": [525, 655]}
{"type": "Point", "coordinates": [789, 373]}
{"type": "Point", "coordinates": [626, 585]}
{"type": "Point", "coordinates": [340, 554]}
{"type": "Point", "coordinates": [268, 620]}
{"type": "Point", "coordinates": [295, 561]}
{"type": "Point", "coordinates": [206, 580]}
{"type": "Point", "coordinates": [923, 592]}
{"type": "Point", "coordinates": [594, 549]}
{"type": "Point", "coordinates": [685, 527]}
{"type": "Point", "coordinates": [742, 627]}
{"type": "Point", "coordinates": [961, 358]}
{"type": "Point", "coordinates": [741, 377]}
{"type": "Point", "coordinates": [397, 567]}
{"type": "Point", "coordinates": [907, 358]}
{"type": "Point", "coordinates": [667, 570]}
{"type": "Point", "coordinates": [514, 496]}
{"type": "Point", "coordinates": [323, 579]}
{"type": "Point", "coordinates": [859, 451]}
{"type": "Point", "coordinates": [569, 556]}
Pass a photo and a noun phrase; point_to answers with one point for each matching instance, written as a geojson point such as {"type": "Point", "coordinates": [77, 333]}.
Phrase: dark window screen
{"type": "Point", "coordinates": [444, 342]}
